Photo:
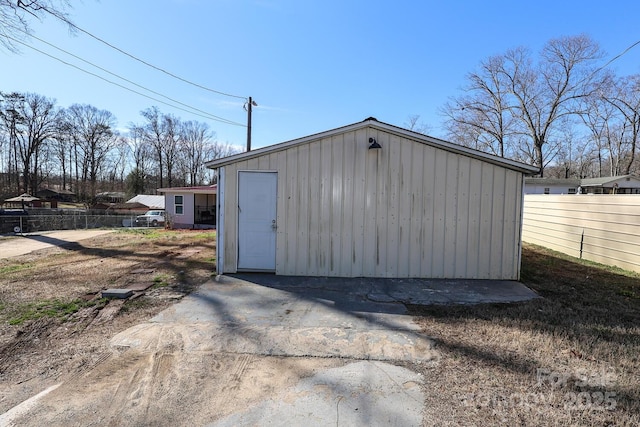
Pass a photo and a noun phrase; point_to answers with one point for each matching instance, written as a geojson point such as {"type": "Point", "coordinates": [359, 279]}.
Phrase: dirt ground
{"type": "Point", "coordinates": [569, 358]}
{"type": "Point", "coordinates": [53, 323]}
{"type": "Point", "coordinates": [68, 350]}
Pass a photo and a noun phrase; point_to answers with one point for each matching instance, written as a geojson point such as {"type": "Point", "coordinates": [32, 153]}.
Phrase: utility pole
{"type": "Point", "coordinates": [249, 104]}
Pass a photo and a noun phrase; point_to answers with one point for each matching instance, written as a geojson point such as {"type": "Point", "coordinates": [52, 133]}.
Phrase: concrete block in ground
{"type": "Point", "coordinates": [117, 293]}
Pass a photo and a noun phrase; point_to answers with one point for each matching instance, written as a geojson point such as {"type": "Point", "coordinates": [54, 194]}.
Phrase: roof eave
{"type": "Point", "coordinates": [212, 190]}
{"type": "Point", "coordinates": [214, 164]}
{"type": "Point", "coordinates": [470, 152]}
{"type": "Point", "coordinates": [373, 123]}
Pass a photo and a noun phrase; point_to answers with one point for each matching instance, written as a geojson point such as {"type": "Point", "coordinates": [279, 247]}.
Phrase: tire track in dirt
{"type": "Point", "coordinates": [237, 372]}
{"type": "Point", "coordinates": [157, 381]}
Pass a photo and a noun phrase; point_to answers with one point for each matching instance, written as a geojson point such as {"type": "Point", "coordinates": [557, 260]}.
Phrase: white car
{"type": "Point", "coordinates": [150, 218]}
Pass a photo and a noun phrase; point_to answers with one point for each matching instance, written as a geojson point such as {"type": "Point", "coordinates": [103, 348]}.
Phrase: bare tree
{"type": "Point", "coordinates": [38, 123]}
{"type": "Point", "coordinates": [117, 163]}
{"type": "Point", "coordinates": [138, 147]}
{"type": "Point", "coordinates": [415, 124]}
{"type": "Point", "coordinates": [576, 154]}
{"type": "Point", "coordinates": [626, 99]}
{"type": "Point", "coordinates": [163, 133]}
{"type": "Point", "coordinates": [514, 101]}
{"type": "Point", "coordinates": [599, 116]}
{"type": "Point", "coordinates": [195, 149]}
{"type": "Point", "coordinates": [16, 14]}
{"type": "Point", "coordinates": [94, 135]}
{"type": "Point", "coordinates": [484, 113]}
{"type": "Point", "coordinates": [171, 130]}
{"type": "Point", "coordinates": [62, 148]}
{"type": "Point", "coordinates": [551, 90]}
{"type": "Point", "coordinates": [10, 118]}
{"type": "Point", "coordinates": [141, 154]}
{"type": "Point", "coordinates": [153, 135]}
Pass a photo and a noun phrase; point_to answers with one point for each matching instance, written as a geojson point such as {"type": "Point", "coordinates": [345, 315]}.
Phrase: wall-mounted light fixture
{"type": "Point", "coordinates": [373, 144]}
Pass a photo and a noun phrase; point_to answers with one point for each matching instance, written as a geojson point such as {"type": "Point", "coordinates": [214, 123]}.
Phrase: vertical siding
{"type": "Point", "coordinates": [288, 220]}
{"type": "Point", "coordinates": [279, 163]}
{"type": "Point", "coordinates": [231, 217]}
{"type": "Point", "coordinates": [361, 215]}
{"type": "Point", "coordinates": [462, 218]}
{"type": "Point", "coordinates": [338, 196]}
{"type": "Point", "coordinates": [450, 191]}
{"type": "Point", "coordinates": [473, 254]}
{"type": "Point", "coordinates": [485, 211]}
{"type": "Point", "coordinates": [323, 227]}
{"type": "Point", "coordinates": [404, 216]}
{"type": "Point", "coordinates": [512, 234]}
{"type": "Point", "coordinates": [406, 210]}
{"type": "Point", "coordinates": [438, 212]}
{"type": "Point", "coordinates": [309, 225]}
{"type": "Point", "coordinates": [345, 262]}
{"type": "Point", "coordinates": [415, 230]}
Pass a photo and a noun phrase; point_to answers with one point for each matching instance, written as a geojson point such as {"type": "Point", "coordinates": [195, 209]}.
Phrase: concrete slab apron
{"type": "Point", "coordinates": [238, 316]}
{"type": "Point", "coordinates": [320, 319]}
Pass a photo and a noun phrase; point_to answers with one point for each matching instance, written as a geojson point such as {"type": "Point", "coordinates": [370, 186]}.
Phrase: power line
{"type": "Point", "coordinates": [123, 78]}
{"type": "Point", "coordinates": [621, 54]}
{"type": "Point", "coordinates": [207, 116]}
{"type": "Point", "coordinates": [618, 56]}
{"type": "Point", "coordinates": [143, 61]}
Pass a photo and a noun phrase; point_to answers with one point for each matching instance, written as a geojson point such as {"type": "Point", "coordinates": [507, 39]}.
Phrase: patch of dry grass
{"type": "Point", "coordinates": [60, 280]}
{"type": "Point", "coordinates": [569, 358]}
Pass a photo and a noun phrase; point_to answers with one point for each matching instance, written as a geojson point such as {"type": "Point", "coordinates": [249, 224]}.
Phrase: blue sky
{"type": "Point", "coordinates": [310, 65]}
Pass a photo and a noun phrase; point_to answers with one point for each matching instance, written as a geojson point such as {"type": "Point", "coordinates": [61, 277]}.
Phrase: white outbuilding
{"type": "Point", "coordinates": [370, 200]}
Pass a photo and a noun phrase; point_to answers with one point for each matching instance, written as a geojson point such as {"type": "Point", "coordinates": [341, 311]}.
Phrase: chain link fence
{"type": "Point", "coordinates": [26, 222]}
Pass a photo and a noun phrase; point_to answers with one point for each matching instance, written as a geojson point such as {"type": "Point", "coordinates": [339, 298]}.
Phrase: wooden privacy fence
{"type": "Point", "coordinates": [600, 228]}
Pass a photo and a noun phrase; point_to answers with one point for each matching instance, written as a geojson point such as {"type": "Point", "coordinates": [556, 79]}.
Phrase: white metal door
{"type": "Point", "coordinates": [257, 220]}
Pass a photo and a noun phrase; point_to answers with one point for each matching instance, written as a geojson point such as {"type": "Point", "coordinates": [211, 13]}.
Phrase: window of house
{"type": "Point", "coordinates": [178, 203]}
{"type": "Point", "coordinates": [572, 191]}
{"type": "Point", "coordinates": [546, 190]}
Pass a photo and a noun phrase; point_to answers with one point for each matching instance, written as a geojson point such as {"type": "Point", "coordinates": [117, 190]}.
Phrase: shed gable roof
{"type": "Point", "coordinates": [380, 126]}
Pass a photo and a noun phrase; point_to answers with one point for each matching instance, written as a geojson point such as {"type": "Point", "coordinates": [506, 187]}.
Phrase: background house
{"type": "Point", "coordinates": [110, 197]}
{"type": "Point", "coordinates": [52, 194]}
{"type": "Point", "coordinates": [332, 204]}
{"type": "Point", "coordinates": [190, 207]}
{"type": "Point", "coordinates": [551, 186]}
{"type": "Point", "coordinates": [138, 205]}
{"type": "Point", "coordinates": [624, 184]}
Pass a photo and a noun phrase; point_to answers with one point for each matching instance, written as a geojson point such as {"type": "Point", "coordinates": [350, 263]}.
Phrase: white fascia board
{"type": "Point", "coordinates": [435, 142]}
